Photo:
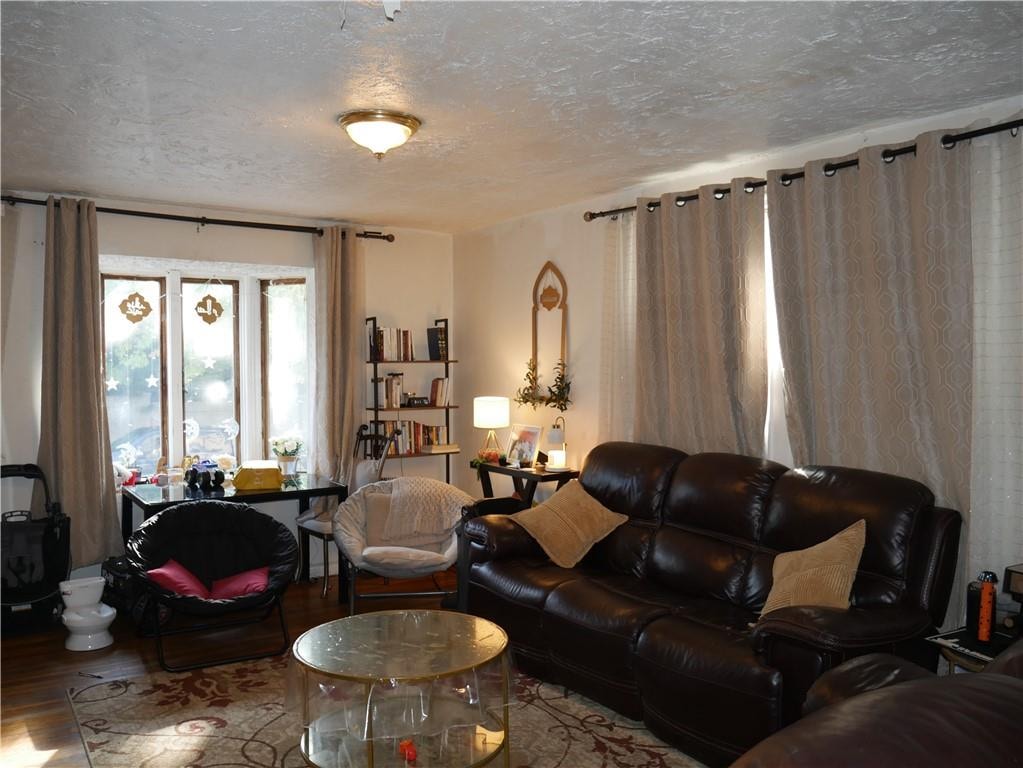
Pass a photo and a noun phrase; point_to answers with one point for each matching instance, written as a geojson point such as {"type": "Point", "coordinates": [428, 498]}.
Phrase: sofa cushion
{"type": "Point", "coordinates": [591, 627]}
{"type": "Point", "coordinates": [712, 520]}
{"type": "Point", "coordinates": [813, 503]}
{"type": "Point", "coordinates": [820, 575]}
{"type": "Point", "coordinates": [512, 593]}
{"type": "Point", "coordinates": [569, 523]}
{"type": "Point", "coordinates": [705, 687]}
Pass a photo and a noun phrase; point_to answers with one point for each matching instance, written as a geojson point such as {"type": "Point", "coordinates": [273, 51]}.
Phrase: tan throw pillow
{"type": "Point", "coordinates": [569, 523]}
{"type": "Point", "coordinates": [819, 575]}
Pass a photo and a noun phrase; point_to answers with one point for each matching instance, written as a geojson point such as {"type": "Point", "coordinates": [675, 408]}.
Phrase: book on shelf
{"type": "Point", "coordinates": [414, 437]}
{"type": "Point", "coordinates": [439, 392]}
{"type": "Point", "coordinates": [437, 342]}
{"type": "Point", "coordinates": [391, 345]}
{"type": "Point", "coordinates": [441, 448]}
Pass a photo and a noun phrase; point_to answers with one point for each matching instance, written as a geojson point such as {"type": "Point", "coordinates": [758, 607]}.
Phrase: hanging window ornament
{"type": "Point", "coordinates": [135, 307]}
{"type": "Point", "coordinates": [209, 309]}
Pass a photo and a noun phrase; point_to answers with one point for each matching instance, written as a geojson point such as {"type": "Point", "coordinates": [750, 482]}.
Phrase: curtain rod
{"type": "Point", "coordinates": [203, 220]}
{"type": "Point", "coordinates": [948, 141]}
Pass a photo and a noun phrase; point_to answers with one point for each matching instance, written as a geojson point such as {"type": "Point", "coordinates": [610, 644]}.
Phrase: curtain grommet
{"type": "Point", "coordinates": [947, 141]}
{"type": "Point", "coordinates": [888, 156]}
{"type": "Point", "coordinates": [785, 180]}
{"type": "Point", "coordinates": [680, 202]}
{"type": "Point", "coordinates": [650, 207]}
{"type": "Point", "coordinates": [829, 170]}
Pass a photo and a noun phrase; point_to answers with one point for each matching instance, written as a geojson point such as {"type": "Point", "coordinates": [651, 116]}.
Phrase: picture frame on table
{"type": "Point", "coordinates": [523, 445]}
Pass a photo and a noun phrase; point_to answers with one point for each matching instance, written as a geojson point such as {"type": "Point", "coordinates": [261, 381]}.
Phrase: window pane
{"type": "Point", "coordinates": [209, 368]}
{"type": "Point", "coordinates": [286, 363]}
{"type": "Point", "coordinates": [132, 319]}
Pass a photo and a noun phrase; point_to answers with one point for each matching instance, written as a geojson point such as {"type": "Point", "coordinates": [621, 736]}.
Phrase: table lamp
{"type": "Point", "coordinates": [491, 413]}
{"type": "Point", "coordinates": [557, 458]}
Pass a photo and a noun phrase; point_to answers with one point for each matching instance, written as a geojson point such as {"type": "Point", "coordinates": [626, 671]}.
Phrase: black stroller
{"type": "Point", "coordinates": [36, 557]}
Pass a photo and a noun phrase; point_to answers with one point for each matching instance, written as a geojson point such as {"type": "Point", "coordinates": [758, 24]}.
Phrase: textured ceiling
{"type": "Point", "coordinates": [525, 106]}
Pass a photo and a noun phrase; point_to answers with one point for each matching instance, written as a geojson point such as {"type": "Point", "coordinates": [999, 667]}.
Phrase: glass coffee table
{"type": "Point", "coordinates": [393, 689]}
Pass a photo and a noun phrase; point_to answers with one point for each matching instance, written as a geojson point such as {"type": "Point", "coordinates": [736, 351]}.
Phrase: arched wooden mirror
{"type": "Point", "coordinates": [550, 323]}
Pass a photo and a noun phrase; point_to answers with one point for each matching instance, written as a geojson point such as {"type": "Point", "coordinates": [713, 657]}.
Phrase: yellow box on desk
{"type": "Point", "coordinates": [260, 475]}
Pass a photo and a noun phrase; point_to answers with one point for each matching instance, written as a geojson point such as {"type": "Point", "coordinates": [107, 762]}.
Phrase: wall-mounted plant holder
{"type": "Point", "coordinates": [549, 361]}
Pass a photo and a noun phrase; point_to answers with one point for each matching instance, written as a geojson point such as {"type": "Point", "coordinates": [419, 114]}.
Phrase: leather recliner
{"type": "Point", "coordinates": [660, 620]}
{"type": "Point", "coordinates": [881, 711]}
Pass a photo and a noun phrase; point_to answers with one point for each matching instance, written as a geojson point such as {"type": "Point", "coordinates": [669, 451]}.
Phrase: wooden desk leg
{"type": "Point", "coordinates": [126, 514]}
{"type": "Point", "coordinates": [561, 482]}
{"type": "Point", "coordinates": [303, 541]}
{"type": "Point", "coordinates": [526, 489]}
{"type": "Point", "coordinates": [488, 487]}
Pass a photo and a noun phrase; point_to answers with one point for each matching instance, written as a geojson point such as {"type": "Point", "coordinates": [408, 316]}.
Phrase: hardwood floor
{"type": "Point", "coordinates": [36, 725]}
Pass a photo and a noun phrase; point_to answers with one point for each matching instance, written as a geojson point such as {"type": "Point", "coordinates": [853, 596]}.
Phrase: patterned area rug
{"type": "Point", "coordinates": [237, 716]}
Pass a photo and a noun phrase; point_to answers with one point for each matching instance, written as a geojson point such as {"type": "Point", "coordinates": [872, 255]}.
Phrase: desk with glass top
{"type": "Point", "coordinates": [375, 681]}
{"type": "Point", "coordinates": [156, 498]}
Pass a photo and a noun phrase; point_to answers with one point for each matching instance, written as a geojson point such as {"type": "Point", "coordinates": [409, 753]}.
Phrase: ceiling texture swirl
{"type": "Point", "coordinates": [525, 106]}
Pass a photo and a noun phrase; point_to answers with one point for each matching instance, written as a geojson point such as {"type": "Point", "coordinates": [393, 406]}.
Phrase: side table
{"type": "Point", "coordinates": [524, 480]}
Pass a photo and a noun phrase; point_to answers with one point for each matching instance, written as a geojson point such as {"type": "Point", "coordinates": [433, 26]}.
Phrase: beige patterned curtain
{"type": "Point", "coordinates": [340, 351]}
{"type": "Point", "coordinates": [700, 348]}
{"type": "Point", "coordinates": [874, 294]}
{"type": "Point", "coordinates": [996, 491]}
{"type": "Point", "coordinates": [74, 444]}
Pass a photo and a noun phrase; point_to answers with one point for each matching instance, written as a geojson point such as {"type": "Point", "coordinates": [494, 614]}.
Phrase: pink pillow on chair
{"type": "Point", "coordinates": [244, 583]}
{"type": "Point", "coordinates": [175, 577]}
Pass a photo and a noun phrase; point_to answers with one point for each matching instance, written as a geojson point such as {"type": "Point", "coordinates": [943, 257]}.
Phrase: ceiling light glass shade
{"type": "Point", "coordinates": [379, 130]}
{"type": "Point", "coordinates": [491, 412]}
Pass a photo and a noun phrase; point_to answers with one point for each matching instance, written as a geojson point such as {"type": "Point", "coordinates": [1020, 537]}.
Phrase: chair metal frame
{"type": "Point", "coordinates": [371, 446]}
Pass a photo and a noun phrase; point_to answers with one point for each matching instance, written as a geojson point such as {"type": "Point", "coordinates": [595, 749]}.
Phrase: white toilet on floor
{"type": "Point", "coordinates": [87, 619]}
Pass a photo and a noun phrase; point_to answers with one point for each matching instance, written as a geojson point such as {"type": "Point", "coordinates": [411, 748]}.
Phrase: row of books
{"type": "Point", "coordinates": [394, 344]}
{"type": "Point", "coordinates": [416, 437]}
{"type": "Point", "coordinates": [397, 344]}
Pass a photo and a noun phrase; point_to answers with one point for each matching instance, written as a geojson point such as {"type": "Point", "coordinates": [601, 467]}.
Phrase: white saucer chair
{"type": "Point", "coordinates": [371, 451]}
{"type": "Point", "coordinates": [401, 528]}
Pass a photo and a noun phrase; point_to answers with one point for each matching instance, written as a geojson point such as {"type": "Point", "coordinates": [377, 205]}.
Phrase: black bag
{"type": "Point", "coordinates": [35, 556]}
{"type": "Point", "coordinates": [126, 592]}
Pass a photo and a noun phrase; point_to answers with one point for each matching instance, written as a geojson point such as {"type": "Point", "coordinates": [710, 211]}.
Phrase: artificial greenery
{"type": "Point", "coordinates": [557, 394]}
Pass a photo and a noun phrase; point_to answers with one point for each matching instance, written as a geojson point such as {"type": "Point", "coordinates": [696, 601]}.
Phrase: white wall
{"type": "Point", "coordinates": [408, 283]}
{"type": "Point", "coordinates": [494, 270]}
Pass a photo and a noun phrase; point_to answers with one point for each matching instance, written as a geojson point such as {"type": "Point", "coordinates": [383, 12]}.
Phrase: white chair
{"type": "Point", "coordinates": [370, 456]}
{"type": "Point", "coordinates": [401, 529]}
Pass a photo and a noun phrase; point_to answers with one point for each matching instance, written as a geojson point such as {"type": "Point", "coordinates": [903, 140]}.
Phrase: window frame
{"type": "Point", "coordinates": [162, 281]}
{"type": "Point", "coordinates": [234, 284]}
{"type": "Point", "coordinates": [264, 349]}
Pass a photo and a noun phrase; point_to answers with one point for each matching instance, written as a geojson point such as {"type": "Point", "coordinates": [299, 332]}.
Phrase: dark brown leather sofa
{"type": "Point", "coordinates": [880, 711]}
{"type": "Point", "coordinates": [657, 620]}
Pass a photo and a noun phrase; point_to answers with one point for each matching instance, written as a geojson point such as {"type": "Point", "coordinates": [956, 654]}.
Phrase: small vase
{"type": "Point", "coordinates": [287, 465]}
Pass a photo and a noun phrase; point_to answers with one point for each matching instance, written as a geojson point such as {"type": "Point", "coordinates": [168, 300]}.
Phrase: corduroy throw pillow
{"type": "Point", "coordinates": [819, 575]}
{"type": "Point", "coordinates": [569, 523]}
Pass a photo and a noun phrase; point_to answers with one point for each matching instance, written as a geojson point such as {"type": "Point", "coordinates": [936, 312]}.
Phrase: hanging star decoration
{"type": "Point", "coordinates": [209, 362]}
{"type": "Point", "coordinates": [112, 384]}
{"type": "Point", "coordinates": [152, 381]}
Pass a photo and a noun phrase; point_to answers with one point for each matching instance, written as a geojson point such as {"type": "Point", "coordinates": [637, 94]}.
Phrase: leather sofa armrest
{"type": "Point", "coordinates": [804, 642]}
{"type": "Point", "coordinates": [859, 675]}
{"type": "Point", "coordinates": [496, 537]}
{"type": "Point", "coordinates": [834, 629]}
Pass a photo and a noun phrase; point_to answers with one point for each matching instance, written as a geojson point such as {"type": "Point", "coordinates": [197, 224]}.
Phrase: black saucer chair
{"type": "Point", "coordinates": [213, 540]}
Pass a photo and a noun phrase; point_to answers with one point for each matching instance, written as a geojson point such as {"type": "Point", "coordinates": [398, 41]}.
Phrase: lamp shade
{"type": "Point", "coordinates": [556, 436]}
{"type": "Point", "coordinates": [491, 412]}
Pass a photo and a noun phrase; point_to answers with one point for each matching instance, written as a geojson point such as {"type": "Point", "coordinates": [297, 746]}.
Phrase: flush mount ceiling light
{"type": "Point", "coordinates": [379, 130]}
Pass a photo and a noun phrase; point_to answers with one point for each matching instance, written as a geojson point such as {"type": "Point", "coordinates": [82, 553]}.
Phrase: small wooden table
{"type": "Point", "coordinates": [525, 480]}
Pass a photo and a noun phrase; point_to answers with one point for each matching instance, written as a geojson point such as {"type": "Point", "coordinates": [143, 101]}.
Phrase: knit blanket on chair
{"type": "Point", "coordinates": [423, 506]}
